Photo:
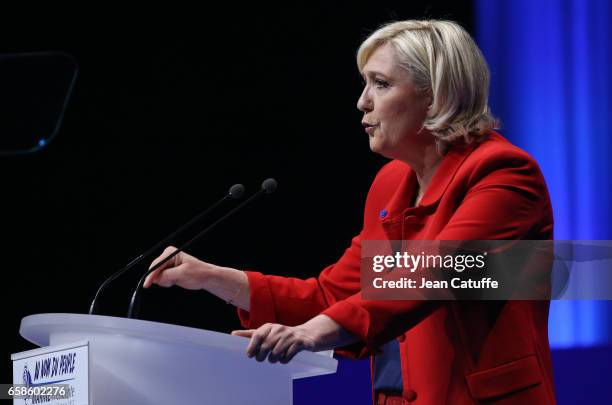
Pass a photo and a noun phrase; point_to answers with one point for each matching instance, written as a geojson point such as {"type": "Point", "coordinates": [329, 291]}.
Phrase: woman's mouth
{"type": "Point", "coordinates": [369, 128]}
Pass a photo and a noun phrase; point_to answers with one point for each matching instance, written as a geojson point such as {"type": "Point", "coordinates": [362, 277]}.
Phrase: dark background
{"type": "Point", "coordinates": [170, 108]}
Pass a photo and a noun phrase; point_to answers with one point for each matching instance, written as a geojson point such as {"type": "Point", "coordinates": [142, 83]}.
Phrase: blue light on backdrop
{"type": "Point", "coordinates": [551, 88]}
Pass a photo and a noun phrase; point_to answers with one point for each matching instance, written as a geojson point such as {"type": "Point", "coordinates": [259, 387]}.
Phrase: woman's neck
{"type": "Point", "coordinates": [424, 163]}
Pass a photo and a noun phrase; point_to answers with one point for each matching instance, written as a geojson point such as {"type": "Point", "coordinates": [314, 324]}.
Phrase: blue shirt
{"type": "Point", "coordinates": [388, 369]}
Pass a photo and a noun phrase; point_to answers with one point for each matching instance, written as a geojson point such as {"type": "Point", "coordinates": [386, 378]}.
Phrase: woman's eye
{"type": "Point", "coordinates": [381, 83]}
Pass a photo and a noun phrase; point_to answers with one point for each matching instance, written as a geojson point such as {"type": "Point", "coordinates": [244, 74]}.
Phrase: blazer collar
{"type": "Point", "coordinates": [446, 172]}
{"type": "Point", "coordinates": [402, 196]}
{"type": "Point", "coordinates": [398, 203]}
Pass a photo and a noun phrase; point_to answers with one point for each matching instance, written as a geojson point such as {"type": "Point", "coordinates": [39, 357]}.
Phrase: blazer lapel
{"type": "Point", "coordinates": [398, 210]}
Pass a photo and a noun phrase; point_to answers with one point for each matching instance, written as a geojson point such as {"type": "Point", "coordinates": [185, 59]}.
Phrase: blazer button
{"type": "Point", "coordinates": [411, 395]}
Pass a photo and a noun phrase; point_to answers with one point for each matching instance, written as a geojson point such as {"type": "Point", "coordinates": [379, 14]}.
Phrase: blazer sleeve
{"type": "Point", "coordinates": [292, 301]}
{"type": "Point", "coordinates": [506, 199]}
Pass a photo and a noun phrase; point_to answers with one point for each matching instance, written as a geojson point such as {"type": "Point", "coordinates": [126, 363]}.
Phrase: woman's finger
{"type": "Point", "coordinates": [167, 252]}
{"type": "Point", "coordinates": [266, 347]}
{"type": "Point", "coordinates": [244, 333]}
{"type": "Point", "coordinates": [280, 348]}
{"type": "Point", "coordinates": [268, 344]}
{"type": "Point", "coordinates": [277, 332]}
{"type": "Point", "coordinates": [294, 349]}
{"type": "Point", "coordinates": [170, 277]}
{"type": "Point", "coordinates": [257, 339]}
{"type": "Point", "coordinates": [152, 278]}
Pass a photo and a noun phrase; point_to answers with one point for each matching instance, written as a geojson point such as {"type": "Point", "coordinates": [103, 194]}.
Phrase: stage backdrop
{"type": "Point", "coordinates": [550, 65]}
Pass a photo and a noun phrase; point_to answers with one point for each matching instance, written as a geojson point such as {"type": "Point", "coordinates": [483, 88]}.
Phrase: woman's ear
{"type": "Point", "coordinates": [430, 99]}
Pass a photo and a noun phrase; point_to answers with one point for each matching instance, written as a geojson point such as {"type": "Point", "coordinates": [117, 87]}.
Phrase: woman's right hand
{"type": "Point", "coordinates": [182, 270]}
{"type": "Point", "coordinates": [186, 271]}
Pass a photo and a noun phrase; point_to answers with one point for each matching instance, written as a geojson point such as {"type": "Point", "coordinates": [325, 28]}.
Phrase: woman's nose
{"type": "Point", "coordinates": [364, 103]}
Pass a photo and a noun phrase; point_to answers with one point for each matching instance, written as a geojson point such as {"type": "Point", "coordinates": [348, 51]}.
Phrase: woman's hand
{"type": "Point", "coordinates": [186, 271]}
{"type": "Point", "coordinates": [182, 270]}
{"type": "Point", "coordinates": [280, 343]}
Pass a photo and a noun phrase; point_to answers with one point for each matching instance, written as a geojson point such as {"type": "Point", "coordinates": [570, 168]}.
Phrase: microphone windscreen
{"type": "Point", "coordinates": [237, 191]}
{"type": "Point", "coordinates": [269, 186]}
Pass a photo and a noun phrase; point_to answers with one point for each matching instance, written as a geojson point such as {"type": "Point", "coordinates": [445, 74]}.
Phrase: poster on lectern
{"type": "Point", "coordinates": [53, 375]}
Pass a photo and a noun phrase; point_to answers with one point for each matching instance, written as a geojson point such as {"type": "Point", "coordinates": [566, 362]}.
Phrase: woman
{"type": "Point", "coordinates": [451, 177]}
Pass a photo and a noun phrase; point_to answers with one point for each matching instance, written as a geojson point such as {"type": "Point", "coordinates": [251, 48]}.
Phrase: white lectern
{"type": "Point", "coordinates": [148, 363]}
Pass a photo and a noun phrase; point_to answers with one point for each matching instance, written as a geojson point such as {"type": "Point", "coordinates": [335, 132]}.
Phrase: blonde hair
{"type": "Point", "coordinates": [444, 61]}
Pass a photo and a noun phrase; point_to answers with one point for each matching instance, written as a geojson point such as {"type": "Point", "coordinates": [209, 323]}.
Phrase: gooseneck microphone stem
{"type": "Point", "coordinates": [267, 187]}
{"type": "Point", "coordinates": [235, 192]}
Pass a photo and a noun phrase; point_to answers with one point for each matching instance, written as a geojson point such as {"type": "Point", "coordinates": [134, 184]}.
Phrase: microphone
{"type": "Point", "coordinates": [236, 192]}
{"type": "Point", "coordinates": [267, 187]}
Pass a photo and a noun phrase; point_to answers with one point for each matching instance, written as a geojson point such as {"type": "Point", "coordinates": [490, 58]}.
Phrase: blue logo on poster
{"type": "Point", "coordinates": [27, 380]}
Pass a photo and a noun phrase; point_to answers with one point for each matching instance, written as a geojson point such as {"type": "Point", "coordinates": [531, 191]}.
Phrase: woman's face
{"type": "Point", "coordinates": [394, 109]}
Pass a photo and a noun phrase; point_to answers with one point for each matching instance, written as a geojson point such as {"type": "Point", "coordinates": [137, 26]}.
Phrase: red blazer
{"type": "Point", "coordinates": [451, 352]}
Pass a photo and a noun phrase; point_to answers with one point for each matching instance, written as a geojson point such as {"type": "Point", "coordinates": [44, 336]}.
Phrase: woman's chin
{"type": "Point", "coordinates": [373, 144]}
{"type": "Point", "coordinates": [376, 145]}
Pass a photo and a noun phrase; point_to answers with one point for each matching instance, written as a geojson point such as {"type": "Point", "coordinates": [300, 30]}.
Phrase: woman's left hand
{"type": "Point", "coordinates": [280, 343]}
